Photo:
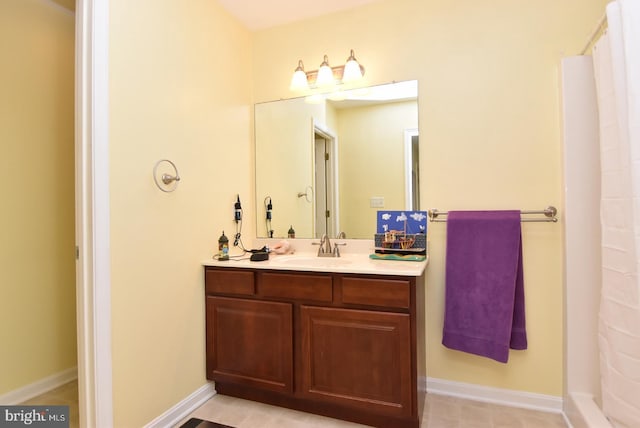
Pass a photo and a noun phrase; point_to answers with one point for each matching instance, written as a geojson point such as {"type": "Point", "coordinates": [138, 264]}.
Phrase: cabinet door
{"type": "Point", "coordinates": [250, 342]}
{"type": "Point", "coordinates": [358, 358]}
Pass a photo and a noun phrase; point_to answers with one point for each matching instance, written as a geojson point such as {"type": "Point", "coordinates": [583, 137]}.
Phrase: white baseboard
{"type": "Point", "coordinates": [181, 410]}
{"type": "Point", "coordinates": [39, 387]}
{"type": "Point", "coordinates": [505, 397]}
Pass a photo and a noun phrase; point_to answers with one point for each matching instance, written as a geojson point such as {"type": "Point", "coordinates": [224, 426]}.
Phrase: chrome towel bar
{"type": "Point", "coordinates": [550, 214]}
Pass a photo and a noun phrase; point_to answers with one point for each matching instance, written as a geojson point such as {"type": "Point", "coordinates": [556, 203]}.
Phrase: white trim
{"type": "Point", "coordinates": [567, 421]}
{"type": "Point", "coordinates": [38, 387]}
{"type": "Point", "coordinates": [582, 411]}
{"type": "Point", "coordinates": [409, 133]}
{"type": "Point", "coordinates": [505, 397]}
{"type": "Point", "coordinates": [93, 289]}
{"type": "Point", "coordinates": [101, 225]}
{"type": "Point", "coordinates": [184, 408]}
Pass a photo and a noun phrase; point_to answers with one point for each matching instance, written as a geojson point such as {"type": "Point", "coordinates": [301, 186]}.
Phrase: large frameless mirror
{"type": "Point", "coordinates": [326, 164]}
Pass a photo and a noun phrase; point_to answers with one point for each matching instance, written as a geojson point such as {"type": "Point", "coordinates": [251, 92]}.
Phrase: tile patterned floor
{"type": "Point", "coordinates": [440, 411]}
{"type": "Point", "coordinates": [65, 395]}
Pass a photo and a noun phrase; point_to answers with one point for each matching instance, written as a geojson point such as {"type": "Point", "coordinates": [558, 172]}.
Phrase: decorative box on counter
{"type": "Point", "coordinates": [401, 235]}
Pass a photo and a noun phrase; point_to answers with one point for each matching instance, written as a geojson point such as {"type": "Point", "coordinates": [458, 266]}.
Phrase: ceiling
{"type": "Point", "coordinates": [261, 14]}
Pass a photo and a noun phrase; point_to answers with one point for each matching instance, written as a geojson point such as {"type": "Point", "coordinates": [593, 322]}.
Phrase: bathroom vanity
{"type": "Point", "coordinates": [343, 338]}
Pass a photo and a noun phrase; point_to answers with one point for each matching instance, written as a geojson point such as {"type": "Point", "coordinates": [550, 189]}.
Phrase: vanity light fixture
{"type": "Point", "coordinates": [326, 76]}
{"type": "Point", "coordinates": [353, 71]}
{"type": "Point", "coordinates": [299, 80]}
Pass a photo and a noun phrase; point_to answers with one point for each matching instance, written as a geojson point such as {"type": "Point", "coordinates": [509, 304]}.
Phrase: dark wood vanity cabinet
{"type": "Point", "coordinates": [250, 342]}
{"type": "Point", "coordinates": [340, 345]}
{"type": "Point", "coordinates": [359, 358]}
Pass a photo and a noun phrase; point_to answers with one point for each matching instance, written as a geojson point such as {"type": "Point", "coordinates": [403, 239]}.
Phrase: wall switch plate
{"type": "Point", "coordinates": [376, 202]}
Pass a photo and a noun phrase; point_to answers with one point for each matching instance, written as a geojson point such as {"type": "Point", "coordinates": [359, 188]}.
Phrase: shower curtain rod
{"type": "Point", "coordinates": [602, 22]}
{"type": "Point", "coordinates": [550, 215]}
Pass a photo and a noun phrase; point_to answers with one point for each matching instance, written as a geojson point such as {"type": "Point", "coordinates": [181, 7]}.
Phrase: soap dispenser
{"type": "Point", "coordinates": [291, 233]}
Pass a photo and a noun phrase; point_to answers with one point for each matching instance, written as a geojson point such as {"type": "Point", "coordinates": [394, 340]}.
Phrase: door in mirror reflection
{"type": "Point", "coordinates": [325, 191]}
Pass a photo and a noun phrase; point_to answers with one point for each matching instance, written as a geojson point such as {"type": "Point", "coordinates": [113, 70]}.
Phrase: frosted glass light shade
{"type": "Point", "coordinates": [299, 80]}
{"type": "Point", "coordinates": [352, 70]}
{"type": "Point", "coordinates": [325, 74]}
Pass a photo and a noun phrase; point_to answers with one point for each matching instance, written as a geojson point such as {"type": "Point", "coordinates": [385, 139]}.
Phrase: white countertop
{"type": "Point", "coordinates": [354, 259]}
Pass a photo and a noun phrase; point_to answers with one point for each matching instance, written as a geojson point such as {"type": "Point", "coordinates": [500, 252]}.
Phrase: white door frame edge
{"type": "Point", "coordinates": [93, 285]}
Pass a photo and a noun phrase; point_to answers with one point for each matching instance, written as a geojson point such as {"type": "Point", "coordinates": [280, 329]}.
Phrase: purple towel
{"type": "Point", "coordinates": [484, 307]}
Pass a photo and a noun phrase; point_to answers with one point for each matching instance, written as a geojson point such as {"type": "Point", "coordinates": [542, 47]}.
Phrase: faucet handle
{"type": "Point", "coordinates": [321, 245]}
{"type": "Point", "coordinates": [336, 250]}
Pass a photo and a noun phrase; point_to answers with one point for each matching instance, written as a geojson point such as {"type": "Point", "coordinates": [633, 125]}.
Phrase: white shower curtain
{"type": "Point", "coordinates": [617, 71]}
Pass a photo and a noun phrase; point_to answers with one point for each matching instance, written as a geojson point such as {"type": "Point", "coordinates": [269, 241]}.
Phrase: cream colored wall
{"type": "Point", "coordinates": [179, 89]}
{"type": "Point", "coordinates": [37, 274]}
{"type": "Point", "coordinates": [489, 135]}
{"type": "Point", "coordinates": [372, 140]}
{"type": "Point", "coordinates": [286, 158]}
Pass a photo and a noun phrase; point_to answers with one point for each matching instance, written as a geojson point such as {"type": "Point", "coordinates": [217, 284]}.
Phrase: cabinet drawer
{"type": "Point", "coordinates": [316, 288]}
{"type": "Point", "coordinates": [229, 281]}
{"type": "Point", "coordinates": [376, 292]}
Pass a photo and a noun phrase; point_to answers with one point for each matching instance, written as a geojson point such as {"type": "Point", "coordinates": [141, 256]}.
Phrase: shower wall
{"type": "Point", "coordinates": [582, 243]}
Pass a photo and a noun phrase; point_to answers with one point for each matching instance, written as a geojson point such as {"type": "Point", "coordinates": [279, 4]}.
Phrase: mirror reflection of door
{"type": "Point", "coordinates": [412, 169]}
{"type": "Point", "coordinates": [324, 184]}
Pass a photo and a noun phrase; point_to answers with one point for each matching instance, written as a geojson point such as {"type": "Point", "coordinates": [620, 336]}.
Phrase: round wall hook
{"type": "Point", "coordinates": [166, 180]}
{"type": "Point", "coordinates": [308, 194]}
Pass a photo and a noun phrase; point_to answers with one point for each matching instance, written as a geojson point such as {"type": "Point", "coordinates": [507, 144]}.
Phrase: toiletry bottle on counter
{"type": "Point", "coordinates": [291, 233]}
{"type": "Point", "coordinates": [223, 247]}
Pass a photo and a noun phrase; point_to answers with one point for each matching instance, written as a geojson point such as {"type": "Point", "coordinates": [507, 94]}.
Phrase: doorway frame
{"type": "Point", "coordinates": [409, 133]}
{"type": "Point", "coordinates": [333, 184]}
{"type": "Point", "coordinates": [93, 281]}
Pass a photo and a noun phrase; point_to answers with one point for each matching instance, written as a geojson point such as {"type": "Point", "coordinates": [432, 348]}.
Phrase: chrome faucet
{"type": "Point", "coordinates": [325, 249]}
